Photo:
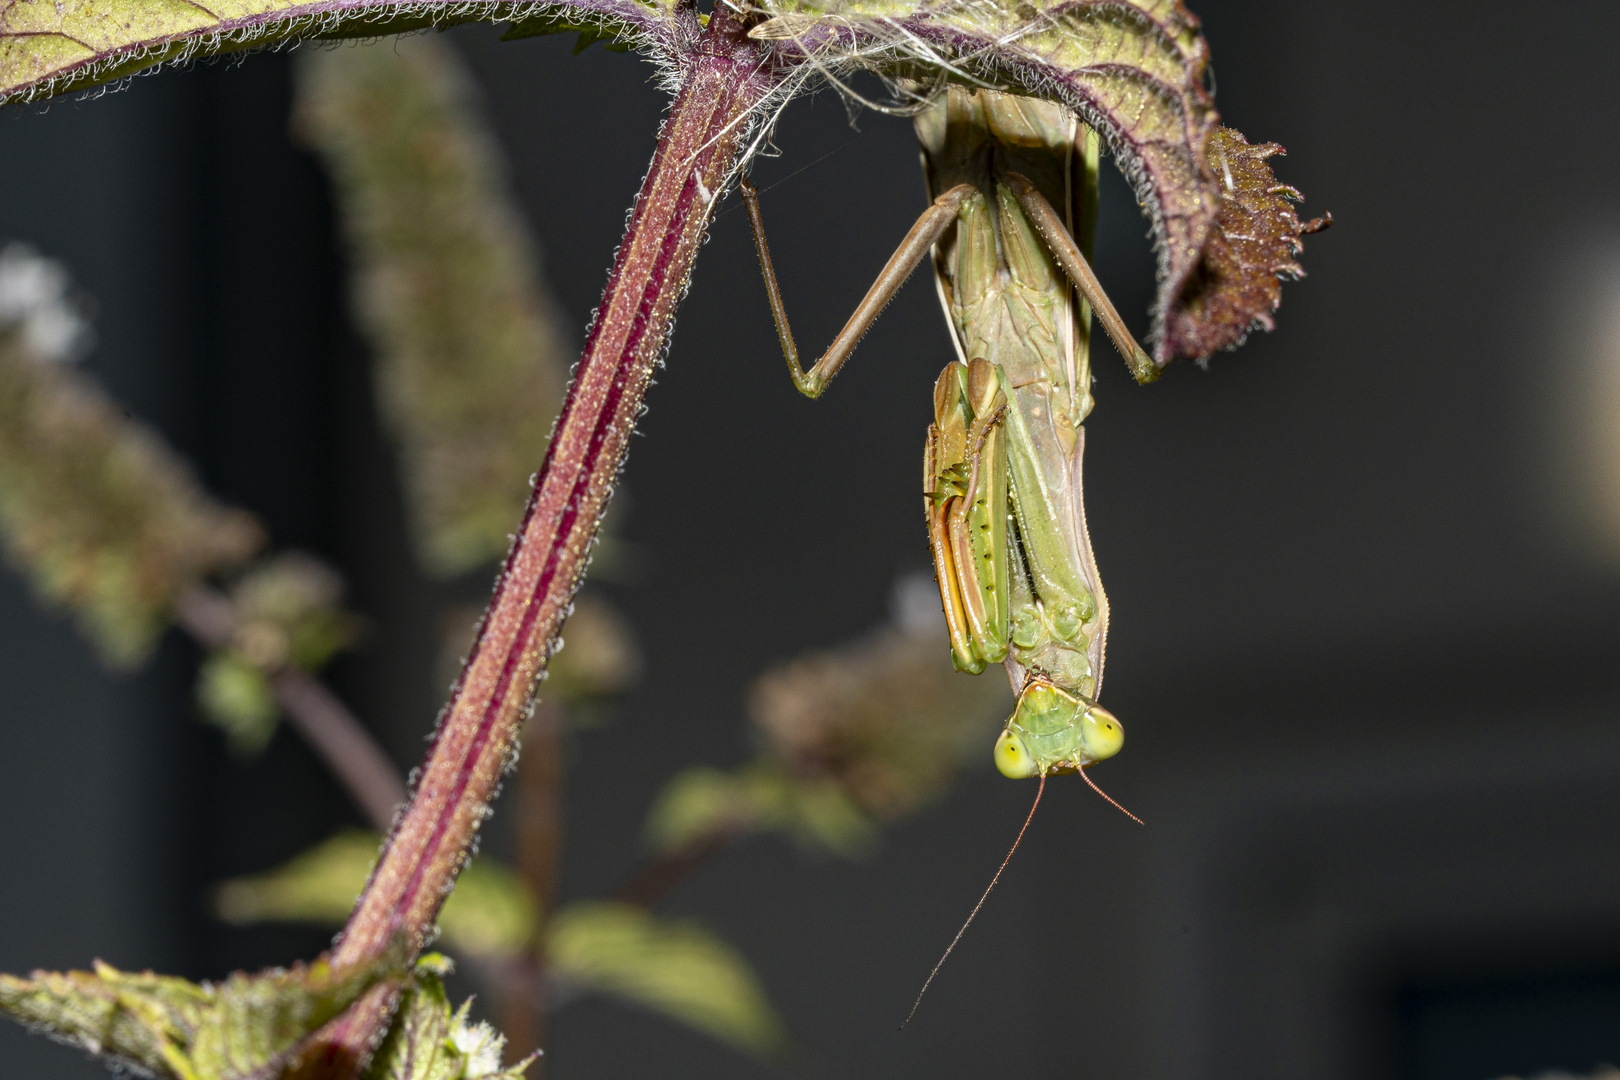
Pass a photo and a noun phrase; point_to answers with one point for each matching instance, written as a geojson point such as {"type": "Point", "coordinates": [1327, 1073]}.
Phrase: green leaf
{"type": "Point", "coordinates": [703, 803]}
{"type": "Point", "coordinates": [676, 968]}
{"type": "Point", "coordinates": [490, 913]}
{"type": "Point", "coordinates": [54, 46]}
{"type": "Point", "coordinates": [237, 698]}
{"type": "Point", "coordinates": [427, 1041]}
{"type": "Point", "coordinates": [173, 1028]}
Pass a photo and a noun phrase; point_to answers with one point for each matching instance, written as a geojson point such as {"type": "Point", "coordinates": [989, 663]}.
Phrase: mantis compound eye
{"type": "Point", "coordinates": [1012, 757]}
{"type": "Point", "coordinates": [1101, 733]}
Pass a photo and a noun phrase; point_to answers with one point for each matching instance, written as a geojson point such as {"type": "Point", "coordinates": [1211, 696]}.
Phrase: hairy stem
{"type": "Point", "coordinates": [699, 146]}
{"type": "Point", "coordinates": [524, 1008]}
{"type": "Point", "coordinates": [334, 733]}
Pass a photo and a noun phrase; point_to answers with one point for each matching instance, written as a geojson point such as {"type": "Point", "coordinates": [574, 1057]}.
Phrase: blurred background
{"type": "Point", "coordinates": [1364, 573]}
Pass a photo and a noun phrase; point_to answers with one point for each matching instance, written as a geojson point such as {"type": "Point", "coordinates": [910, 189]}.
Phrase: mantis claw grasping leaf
{"type": "Point", "coordinates": [1001, 473]}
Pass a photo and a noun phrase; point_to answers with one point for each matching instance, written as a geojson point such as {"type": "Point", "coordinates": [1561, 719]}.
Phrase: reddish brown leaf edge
{"type": "Point", "coordinates": [1255, 245]}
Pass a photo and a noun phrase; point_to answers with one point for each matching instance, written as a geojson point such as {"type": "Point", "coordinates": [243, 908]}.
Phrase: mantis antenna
{"type": "Point", "coordinates": [1091, 784]}
{"type": "Point", "coordinates": [974, 913]}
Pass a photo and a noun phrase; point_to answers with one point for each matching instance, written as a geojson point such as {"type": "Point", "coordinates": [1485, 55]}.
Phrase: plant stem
{"type": "Point", "coordinates": [334, 733]}
{"type": "Point", "coordinates": [524, 1008]}
{"type": "Point", "coordinates": [723, 79]}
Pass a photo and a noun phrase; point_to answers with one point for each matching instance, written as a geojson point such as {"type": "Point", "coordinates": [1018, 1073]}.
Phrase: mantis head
{"type": "Point", "coordinates": [1052, 729]}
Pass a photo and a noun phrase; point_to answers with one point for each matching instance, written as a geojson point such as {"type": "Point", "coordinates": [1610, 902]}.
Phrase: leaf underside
{"type": "Point", "coordinates": [238, 1029]}
{"type": "Point", "coordinates": [50, 47]}
{"type": "Point", "coordinates": [1135, 70]}
{"type": "Point", "coordinates": [1255, 244]}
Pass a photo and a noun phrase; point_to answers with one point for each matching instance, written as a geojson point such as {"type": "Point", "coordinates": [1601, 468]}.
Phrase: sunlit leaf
{"type": "Point", "coordinates": [427, 1041]}
{"type": "Point", "coordinates": [169, 1027]}
{"type": "Point", "coordinates": [676, 968]}
{"type": "Point", "coordinates": [490, 912]}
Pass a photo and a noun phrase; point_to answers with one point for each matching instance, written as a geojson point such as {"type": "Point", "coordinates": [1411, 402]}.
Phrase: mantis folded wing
{"type": "Point", "coordinates": [1015, 187]}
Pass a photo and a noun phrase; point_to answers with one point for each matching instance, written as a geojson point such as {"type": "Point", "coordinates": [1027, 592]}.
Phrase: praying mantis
{"type": "Point", "coordinates": [1014, 184]}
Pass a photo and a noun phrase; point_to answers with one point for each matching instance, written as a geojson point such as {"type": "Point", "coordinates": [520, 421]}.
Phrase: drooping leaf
{"type": "Point", "coordinates": [470, 360]}
{"type": "Point", "coordinates": [169, 1027]}
{"type": "Point", "coordinates": [676, 968]}
{"type": "Point", "coordinates": [55, 46]}
{"type": "Point", "coordinates": [490, 913]}
{"type": "Point", "coordinates": [1134, 70]}
{"type": "Point", "coordinates": [427, 1041]}
{"type": "Point", "coordinates": [1255, 244]}
{"type": "Point", "coordinates": [105, 518]}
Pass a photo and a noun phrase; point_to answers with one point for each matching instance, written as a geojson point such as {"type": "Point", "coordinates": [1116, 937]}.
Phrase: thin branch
{"type": "Point", "coordinates": [335, 733]}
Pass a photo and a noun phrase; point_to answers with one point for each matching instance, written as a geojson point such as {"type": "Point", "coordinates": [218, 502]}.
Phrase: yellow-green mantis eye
{"type": "Point", "coordinates": [1101, 733]}
{"type": "Point", "coordinates": [1012, 759]}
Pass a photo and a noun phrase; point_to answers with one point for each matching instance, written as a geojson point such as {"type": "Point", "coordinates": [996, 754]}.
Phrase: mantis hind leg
{"type": "Point", "coordinates": [929, 227]}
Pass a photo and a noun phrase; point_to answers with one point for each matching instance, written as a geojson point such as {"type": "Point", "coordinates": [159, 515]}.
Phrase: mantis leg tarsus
{"type": "Point", "coordinates": [929, 226]}
{"type": "Point", "coordinates": [1050, 227]}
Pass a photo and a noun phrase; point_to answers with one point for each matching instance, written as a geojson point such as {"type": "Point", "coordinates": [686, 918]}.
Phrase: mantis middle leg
{"type": "Point", "coordinates": [929, 227]}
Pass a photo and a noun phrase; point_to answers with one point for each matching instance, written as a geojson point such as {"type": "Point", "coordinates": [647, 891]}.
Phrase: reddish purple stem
{"type": "Point", "coordinates": [700, 144]}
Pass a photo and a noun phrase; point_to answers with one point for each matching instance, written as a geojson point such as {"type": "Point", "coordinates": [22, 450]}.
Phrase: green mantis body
{"type": "Point", "coordinates": [1019, 583]}
{"type": "Point", "coordinates": [1014, 182]}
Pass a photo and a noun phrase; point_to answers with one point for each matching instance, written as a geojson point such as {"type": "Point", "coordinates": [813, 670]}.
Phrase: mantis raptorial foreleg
{"type": "Point", "coordinates": [930, 226]}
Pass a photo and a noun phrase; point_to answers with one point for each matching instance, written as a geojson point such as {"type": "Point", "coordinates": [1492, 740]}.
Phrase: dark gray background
{"type": "Point", "coordinates": [1367, 666]}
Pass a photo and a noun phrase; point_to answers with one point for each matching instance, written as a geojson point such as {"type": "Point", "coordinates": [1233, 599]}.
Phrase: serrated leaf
{"type": "Point", "coordinates": [677, 968]}
{"type": "Point", "coordinates": [1134, 70]}
{"type": "Point", "coordinates": [427, 1041]}
{"type": "Point", "coordinates": [1255, 244]}
{"type": "Point", "coordinates": [55, 46]}
{"type": "Point", "coordinates": [490, 913]}
{"type": "Point", "coordinates": [169, 1027]}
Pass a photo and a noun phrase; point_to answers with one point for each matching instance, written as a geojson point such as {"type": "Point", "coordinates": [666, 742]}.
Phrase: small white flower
{"type": "Point", "coordinates": [34, 297]}
{"type": "Point", "coordinates": [479, 1043]}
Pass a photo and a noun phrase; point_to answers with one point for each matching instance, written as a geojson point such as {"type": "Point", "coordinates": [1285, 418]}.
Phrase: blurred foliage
{"type": "Point", "coordinates": [850, 738]}
{"type": "Point", "coordinates": [490, 913]}
{"type": "Point", "coordinates": [288, 613]}
{"type": "Point", "coordinates": [429, 1042]}
{"type": "Point", "coordinates": [244, 1027]}
{"type": "Point", "coordinates": [470, 361]}
{"type": "Point", "coordinates": [103, 517]}
{"type": "Point", "coordinates": [676, 968]}
{"type": "Point", "coordinates": [237, 698]}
